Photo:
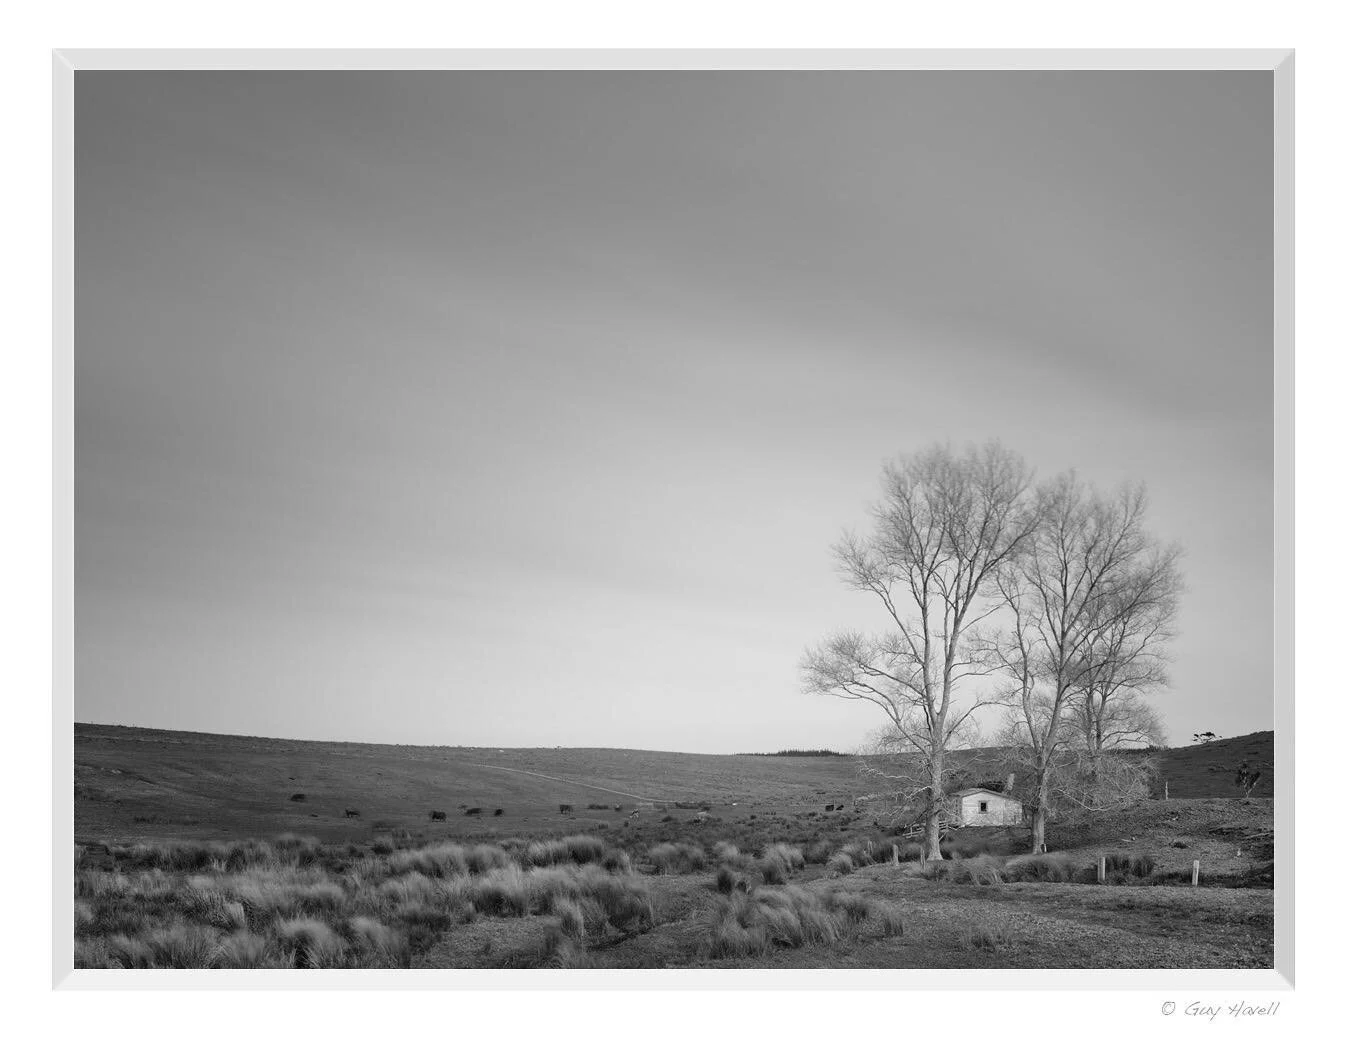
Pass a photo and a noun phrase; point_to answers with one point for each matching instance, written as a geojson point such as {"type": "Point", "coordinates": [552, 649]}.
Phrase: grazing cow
{"type": "Point", "coordinates": [567, 808]}
{"type": "Point", "coordinates": [827, 807]}
{"type": "Point", "coordinates": [438, 816]}
{"type": "Point", "coordinates": [473, 811]}
{"type": "Point", "coordinates": [636, 814]}
{"type": "Point", "coordinates": [297, 797]}
{"type": "Point", "coordinates": [498, 812]}
{"type": "Point", "coordinates": [352, 813]}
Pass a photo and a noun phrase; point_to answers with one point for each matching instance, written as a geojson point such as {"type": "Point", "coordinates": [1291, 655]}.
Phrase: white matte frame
{"type": "Point", "coordinates": [65, 63]}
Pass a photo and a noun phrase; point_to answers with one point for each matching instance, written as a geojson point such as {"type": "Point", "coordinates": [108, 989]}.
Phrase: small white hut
{"type": "Point", "coordinates": [978, 806]}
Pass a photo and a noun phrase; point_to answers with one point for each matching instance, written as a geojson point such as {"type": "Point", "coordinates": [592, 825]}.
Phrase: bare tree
{"type": "Point", "coordinates": [946, 524]}
{"type": "Point", "coordinates": [1118, 718]}
{"type": "Point", "coordinates": [1092, 579]}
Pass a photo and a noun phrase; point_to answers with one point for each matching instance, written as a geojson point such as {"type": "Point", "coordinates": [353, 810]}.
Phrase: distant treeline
{"type": "Point", "coordinates": [799, 753]}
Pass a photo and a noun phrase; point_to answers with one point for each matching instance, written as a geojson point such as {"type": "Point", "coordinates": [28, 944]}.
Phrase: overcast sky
{"type": "Point", "coordinates": [504, 408]}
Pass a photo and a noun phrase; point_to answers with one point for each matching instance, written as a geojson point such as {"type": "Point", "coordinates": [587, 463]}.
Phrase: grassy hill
{"type": "Point", "coordinates": [1209, 770]}
{"type": "Point", "coordinates": [136, 783]}
{"type": "Point", "coordinates": [147, 782]}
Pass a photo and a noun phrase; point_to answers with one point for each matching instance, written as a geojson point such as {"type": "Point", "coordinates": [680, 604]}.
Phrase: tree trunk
{"type": "Point", "coordinates": [1039, 840]}
{"type": "Point", "coordinates": [937, 783]}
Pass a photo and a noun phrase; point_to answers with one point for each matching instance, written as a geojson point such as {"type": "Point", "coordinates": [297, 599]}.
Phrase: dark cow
{"type": "Point", "coordinates": [827, 807]}
{"type": "Point", "coordinates": [352, 813]}
{"type": "Point", "coordinates": [498, 812]}
{"type": "Point", "coordinates": [297, 797]}
{"type": "Point", "coordinates": [473, 811]}
{"type": "Point", "coordinates": [438, 816]}
{"type": "Point", "coordinates": [567, 808]}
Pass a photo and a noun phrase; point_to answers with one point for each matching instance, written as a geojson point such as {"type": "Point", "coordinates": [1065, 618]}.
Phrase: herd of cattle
{"type": "Point", "coordinates": [702, 809]}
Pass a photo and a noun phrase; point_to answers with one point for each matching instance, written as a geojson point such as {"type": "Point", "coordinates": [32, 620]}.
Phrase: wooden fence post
{"type": "Point", "coordinates": [1196, 866]}
{"type": "Point", "coordinates": [1166, 789]}
{"type": "Point", "coordinates": [1103, 867]}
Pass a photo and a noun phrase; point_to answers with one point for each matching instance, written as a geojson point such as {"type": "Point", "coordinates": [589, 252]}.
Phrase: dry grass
{"type": "Point", "coordinates": [293, 904]}
{"type": "Point", "coordinates": [677, 858]}
{"type": "Point", "coordinates": [792, 916]}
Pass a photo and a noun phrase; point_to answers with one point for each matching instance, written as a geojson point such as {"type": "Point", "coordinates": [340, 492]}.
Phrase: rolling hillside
{"type": "Point", "coordinates": [1209, 770]}
{"type": "Point", "coordinates": [134, 783]}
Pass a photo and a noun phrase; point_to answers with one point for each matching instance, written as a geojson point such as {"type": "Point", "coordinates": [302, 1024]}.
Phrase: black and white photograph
{"type": "Point", "coordinates": [676, 519]}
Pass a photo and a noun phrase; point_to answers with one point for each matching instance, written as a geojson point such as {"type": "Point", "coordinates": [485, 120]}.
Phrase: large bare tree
{"type": "Point", "coordinates": [947, 522]}
{"type": "Point", "coordinates": [1090, 606]}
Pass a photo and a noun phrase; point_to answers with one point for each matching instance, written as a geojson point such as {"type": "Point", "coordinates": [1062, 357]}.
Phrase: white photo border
{"type": "Point", "coordinates": [66, 63]}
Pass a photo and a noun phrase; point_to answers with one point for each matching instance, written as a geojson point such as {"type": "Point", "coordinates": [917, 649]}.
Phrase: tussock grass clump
{"type": "Point", "coordinates": [485, 857]}
{"type": "Point", "coordinates": [438, 860]}
{"type": "Point", "coordinates": [727, 853]}
{"type": "Point", "coordinates": [247, 951]}
{"type": "Point", "coordinates": [991, 937]}
{"type": "Point", "coordinates": [503, 891]}
{"type": "Point", "coordinates": [312, 941]}
{"type": "Point", "coordinates": [627, 902]}
{"type": "Point", "coordinates": [179, 946]}
{"type": "Point", "coordinates": [817, 852]}
{"type": "Point", "coordinates": [377, 944]}
{"type": "Point", "coordinates": [840, 864]}
{"type": "Point", "coordinates": [980, 872]}
{"type": "Point", "coordinates": [780, 861]}
{"type": "Point", "coordinates": [729, 880]}
{"type": "Point", "coordinates": [1039, 868]}
{"type": "Point", "coordinates": [578, 849]}
{"type": "Point", "coordinates": [731, 939]}
{"type": "Point", "coordinates": [790, 917]}
{"type": "Point", "coordinates": [677, 858]}
{"type": "Point", "coordinates": [130, 953]}
{"type": "Point", "coordinates": [1123, 866]}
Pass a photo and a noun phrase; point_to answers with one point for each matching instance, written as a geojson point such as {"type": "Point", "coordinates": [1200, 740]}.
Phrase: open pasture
{"type": "Point", "coordinates": [217, 851]}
